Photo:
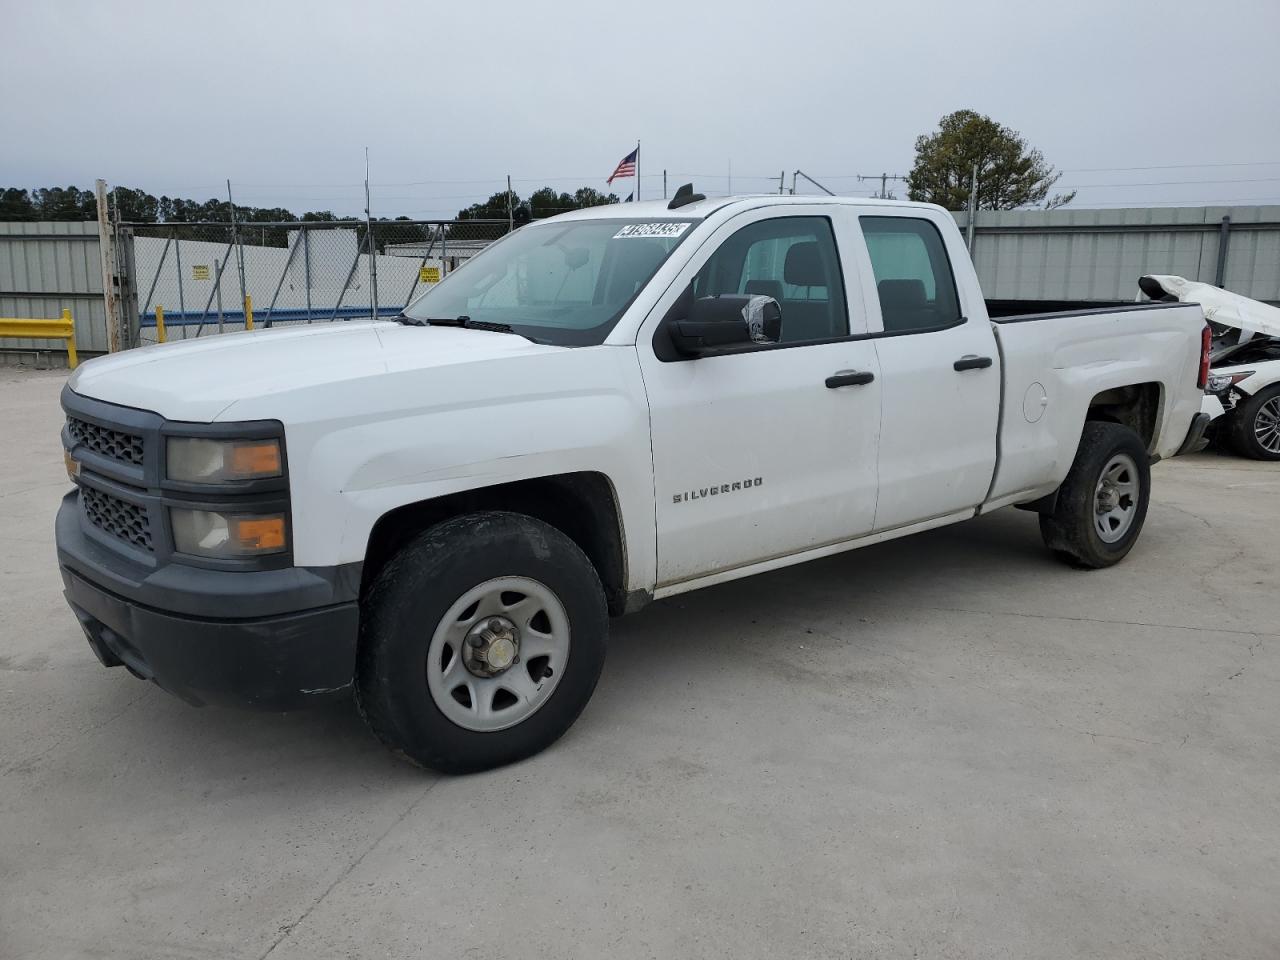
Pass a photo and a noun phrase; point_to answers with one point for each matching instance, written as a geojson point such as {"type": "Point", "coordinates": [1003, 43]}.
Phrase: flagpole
{"type": "Point", "coordinates": [637, 171]}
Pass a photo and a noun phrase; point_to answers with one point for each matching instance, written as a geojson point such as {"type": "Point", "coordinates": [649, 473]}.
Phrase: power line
{"type": "Point", "coordinates": [884, 178]}
{"type": "Point", "coordinates": [1176, 166]}
{"type": "Point", "coordinates": [1210, 202]}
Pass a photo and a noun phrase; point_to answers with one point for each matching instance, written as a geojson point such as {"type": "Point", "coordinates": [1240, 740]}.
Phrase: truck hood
{"type": "Point", "coordinates": [199, 380]}
{"type": "Point", "coordinates": [1221, 306]}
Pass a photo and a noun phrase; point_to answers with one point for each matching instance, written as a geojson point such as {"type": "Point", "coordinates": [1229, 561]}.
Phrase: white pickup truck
{"type": "Point", "coordinates": [604, 408]}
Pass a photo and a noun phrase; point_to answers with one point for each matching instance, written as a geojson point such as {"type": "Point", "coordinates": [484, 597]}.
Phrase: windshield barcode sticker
{"type": "Point", "coordinates": [651, 230]}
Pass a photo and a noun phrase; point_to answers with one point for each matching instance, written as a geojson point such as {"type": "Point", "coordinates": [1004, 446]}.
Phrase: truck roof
{"type": "Point", "coordinates": [657, 209]}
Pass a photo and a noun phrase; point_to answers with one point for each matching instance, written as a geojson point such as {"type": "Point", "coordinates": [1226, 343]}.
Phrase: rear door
{"type": "Point", "coordinates": [940, 376]}
{"type": "Point", "coordinates": [755, 456]}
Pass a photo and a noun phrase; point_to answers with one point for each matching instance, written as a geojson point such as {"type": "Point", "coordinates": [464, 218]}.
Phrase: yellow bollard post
{"type": "Point", "coordinates": [72, 359]}
{"type": "Point", "coordinates": [160, 334]}
{"type": "Point", "coordinates": [248, 312]}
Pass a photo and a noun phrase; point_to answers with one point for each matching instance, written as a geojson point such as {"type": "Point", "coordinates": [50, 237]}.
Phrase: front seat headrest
{"type": "Point", "coordinates": [803, 267]}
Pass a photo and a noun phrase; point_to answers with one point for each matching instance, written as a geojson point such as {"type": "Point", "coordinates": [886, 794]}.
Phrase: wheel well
{"type": "Point", "coordinates": [1136, 406]}
{"type": "Point", "coordinates": [580, 505]}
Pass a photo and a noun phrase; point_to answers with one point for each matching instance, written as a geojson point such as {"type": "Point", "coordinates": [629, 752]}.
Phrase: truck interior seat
{"type": "Point", "coordinates": [635, 261]}
{"type": "Point", "coordinates": [808, 319]}
{"type": "Point", "coordinates": [903, 305]}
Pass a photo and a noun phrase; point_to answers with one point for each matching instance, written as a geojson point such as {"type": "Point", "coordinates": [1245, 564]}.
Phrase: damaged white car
{"type": "Point", "coordinates": [1243, 392]}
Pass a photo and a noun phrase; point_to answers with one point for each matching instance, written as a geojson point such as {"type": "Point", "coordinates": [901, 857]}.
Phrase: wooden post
{"type": "Point", "coordinates": [107, 252]}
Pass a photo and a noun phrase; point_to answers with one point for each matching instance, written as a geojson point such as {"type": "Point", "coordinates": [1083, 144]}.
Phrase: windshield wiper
{"type": "Point", "coordinates": [468, 324]}
{"type": "Point", "coordinates": [465, 323]}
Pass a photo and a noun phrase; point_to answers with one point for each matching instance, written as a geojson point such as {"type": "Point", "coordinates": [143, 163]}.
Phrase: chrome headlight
{"type": "Point", "coordinates": [1218, 382]}
{"type": "Point", "coordinates": [223, 536]}
{"type": "Point", "coordinates": [197, 460]}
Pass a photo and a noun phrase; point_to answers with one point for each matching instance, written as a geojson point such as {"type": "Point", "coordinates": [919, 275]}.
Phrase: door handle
{"type": "Point", "coordinates": [972, 362]}
{"type": "Point", "coordinates": [850, 378]}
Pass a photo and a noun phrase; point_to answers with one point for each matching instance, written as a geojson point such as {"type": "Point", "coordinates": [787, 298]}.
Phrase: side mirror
{"type": "Point", "coordinates": [700, 325]}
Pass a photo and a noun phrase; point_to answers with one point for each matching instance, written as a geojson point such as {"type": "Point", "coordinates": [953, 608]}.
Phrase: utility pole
{"type": "Point", "coordinates": [973, 209]}
{"type": "Point", "coordinates": [106, 247]}
{"type": "Point", "coordinates": [235, 237]}
{"type": "Point", "coordinates": [373, 249]}
{"type": "Point", "coordinates": [884, 179]}
{"type": "Point", "coordinates": [782, 182]}
{"type": "Point", "coordinates": [664, 184]}
{"type": "Point", "coordinates": [801, 173]}
{"type": "Point", "coordinates": [511, 216]}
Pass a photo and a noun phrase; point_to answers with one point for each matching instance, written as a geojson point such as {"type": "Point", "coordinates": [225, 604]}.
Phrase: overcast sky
{"type": "Point", "coordinates": [1124, 96]}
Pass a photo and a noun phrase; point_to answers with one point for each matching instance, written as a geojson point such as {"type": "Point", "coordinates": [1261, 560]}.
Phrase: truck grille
{"type": "Point", "coordinates": [116, 444]}
{"type": "Point", "coordinates": [120, 518]}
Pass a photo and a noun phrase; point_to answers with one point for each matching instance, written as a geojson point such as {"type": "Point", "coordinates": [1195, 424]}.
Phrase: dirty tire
{"type": "Point", "coordinates": [1243, 425]}
{"type": "Point", "coordinates": [1070, 531]}
{"type": "Point", "coordinates": [415, 591]}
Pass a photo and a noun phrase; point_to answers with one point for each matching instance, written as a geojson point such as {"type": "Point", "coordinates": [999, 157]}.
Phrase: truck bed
{"type": "Point", "coordinates": [1054, 369]}
{"type": "Point", "coordinates": [1021, 311]}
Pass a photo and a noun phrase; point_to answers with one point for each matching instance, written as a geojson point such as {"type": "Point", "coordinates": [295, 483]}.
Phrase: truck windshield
{"type": "Point", "coordinates": [565, 282]}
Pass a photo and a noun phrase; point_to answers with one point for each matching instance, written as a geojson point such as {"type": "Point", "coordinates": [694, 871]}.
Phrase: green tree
{"type": "Point", "coordinates": [65, 203]}
{"type": "Point", "coordinates": [589, 197]}
{"type": "Point", "coordinates": [135, 206]}
{"type": "Point", "coordinates": [544, 202]}
{"type": "Point", "coordinates": [16, 204]}
{"type": "Point", "coordinates": [495, 208]}
{"type": "Point", "coordinates": [1011, 174]}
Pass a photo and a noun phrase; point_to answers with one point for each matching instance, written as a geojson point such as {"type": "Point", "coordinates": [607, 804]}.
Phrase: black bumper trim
{"type": "Point", "coordinates": [190, 591]}
{"type": "Point", "coordinates": [277, 662]}
{"type": "Point", "coordinates": [1195, 434]}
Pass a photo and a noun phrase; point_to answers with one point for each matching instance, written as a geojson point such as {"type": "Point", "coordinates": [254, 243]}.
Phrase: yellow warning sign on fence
{"type": "Point", "coordinates": [429, 275]}
{"type": "Point", "coordinates": [199, 271]}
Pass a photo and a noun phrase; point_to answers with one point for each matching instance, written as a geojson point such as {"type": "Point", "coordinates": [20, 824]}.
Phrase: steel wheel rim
{"type": "Point", "coordinates": [1266, 425]}
{"type": "Point", "coordinates": [512, 696]}
{"type": "Point", "coordinates": [1116, 498]}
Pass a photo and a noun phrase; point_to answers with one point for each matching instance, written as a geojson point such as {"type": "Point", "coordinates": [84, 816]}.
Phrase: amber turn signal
{"type": "Point", "coordinates": [255, 459]}
{"type": "Point", "coordinates": [259, 534]}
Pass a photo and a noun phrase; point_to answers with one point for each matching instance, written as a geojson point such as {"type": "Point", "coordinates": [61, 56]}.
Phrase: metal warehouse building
{"type": "Point", "coordinates": [1064, 256]}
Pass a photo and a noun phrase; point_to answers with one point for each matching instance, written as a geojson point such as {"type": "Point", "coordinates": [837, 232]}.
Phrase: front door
{"type": "Point", "coordinates": [755, 455]}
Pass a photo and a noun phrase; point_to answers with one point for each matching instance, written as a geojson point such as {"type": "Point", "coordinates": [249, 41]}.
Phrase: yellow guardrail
{"type": "Point", "coordinates": [162, 334]}
{"type": "Point", "coordinates": [32, 328]}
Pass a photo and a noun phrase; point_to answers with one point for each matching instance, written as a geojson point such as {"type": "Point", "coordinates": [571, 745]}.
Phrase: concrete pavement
{"type": "Point", "coordinates": [948, 746]}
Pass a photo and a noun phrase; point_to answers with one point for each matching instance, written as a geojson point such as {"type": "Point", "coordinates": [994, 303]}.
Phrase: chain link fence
{"type": "Point", "coordinates": [199, 279]}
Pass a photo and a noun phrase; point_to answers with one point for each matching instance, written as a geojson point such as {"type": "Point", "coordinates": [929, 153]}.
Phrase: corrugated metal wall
{"type": "Point", "coordinates": [1020, 255]}
{"type": "Point", "coordinates": [48, 266]}
{"type": "Point", "coordinates": [1100, 254]}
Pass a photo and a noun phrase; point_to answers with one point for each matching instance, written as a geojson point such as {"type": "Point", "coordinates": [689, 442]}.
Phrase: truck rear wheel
{"type": "Point", "coordinates": [1254, 425]}
{"type": "Point", "coordinates": [481, 641]}
{"type": "Point", "coordinates": [1102, 503]}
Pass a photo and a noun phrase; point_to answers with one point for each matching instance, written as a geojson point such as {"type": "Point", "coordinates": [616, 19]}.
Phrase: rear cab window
{"type": "Point", "coordinates": [916, 286]}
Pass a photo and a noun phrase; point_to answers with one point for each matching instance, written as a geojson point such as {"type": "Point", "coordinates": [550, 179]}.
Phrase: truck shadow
{"type": "Point", "coordinates": [953, 561]}
{"type": "Point", "coordinates": [690, 633]}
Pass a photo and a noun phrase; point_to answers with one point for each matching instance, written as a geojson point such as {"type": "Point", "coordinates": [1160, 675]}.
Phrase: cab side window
{"type": "Point", "coordinates": [913, 275]}
{"type": "Point", "coordinates": [793, 260]}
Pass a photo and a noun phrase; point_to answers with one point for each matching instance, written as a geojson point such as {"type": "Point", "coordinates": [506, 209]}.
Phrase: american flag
{"type": "Point", "coordinates": [627, 168]}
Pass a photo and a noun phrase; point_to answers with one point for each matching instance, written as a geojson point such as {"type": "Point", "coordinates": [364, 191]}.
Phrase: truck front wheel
{"type": "Point", "coordinates": [480, 642]}
{"type": "Point", "coordinates": [1102, 503]}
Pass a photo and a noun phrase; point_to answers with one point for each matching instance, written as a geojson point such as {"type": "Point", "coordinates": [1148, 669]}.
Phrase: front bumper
{"type": "Point", "coordinates": [275, 639]}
